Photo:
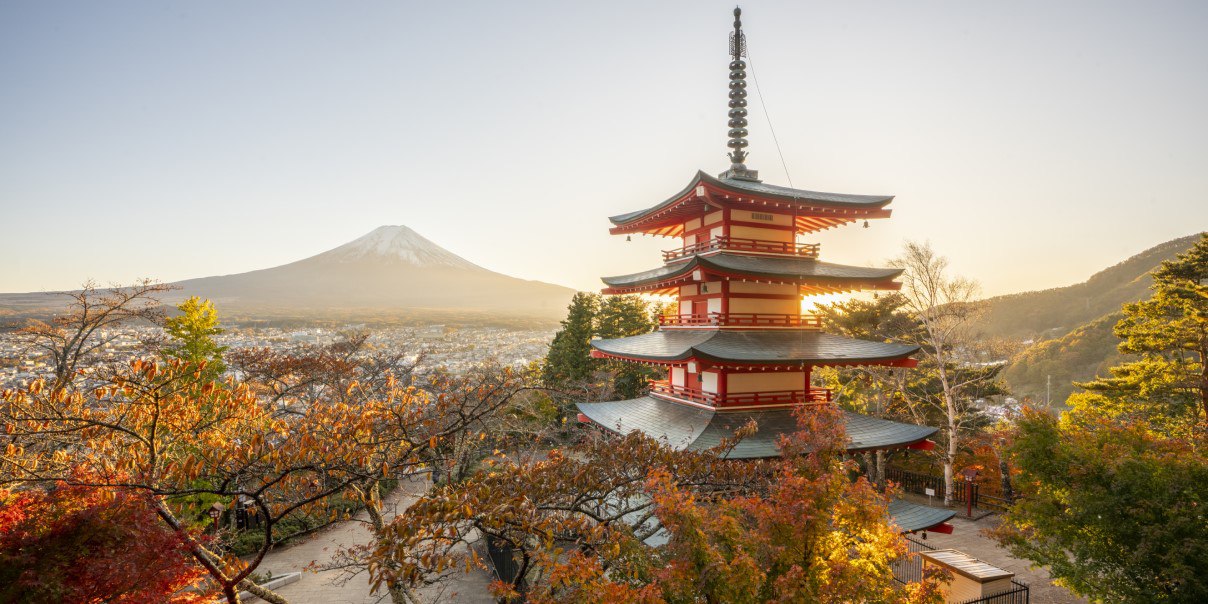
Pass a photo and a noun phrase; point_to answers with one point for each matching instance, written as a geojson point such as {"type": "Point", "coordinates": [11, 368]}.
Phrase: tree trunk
{"type": "Point", "coordinates": [1004, 471]}
{"type": "Point", "coordinates": [880, 464]}
{"type": "Point", "coordinates": [264, 594]}
{"type": "Point", "coordinates": [950, 407]}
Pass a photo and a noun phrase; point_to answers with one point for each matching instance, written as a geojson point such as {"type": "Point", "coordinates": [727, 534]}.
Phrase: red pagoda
{"type": "Point", "coordinates": [738, 347]}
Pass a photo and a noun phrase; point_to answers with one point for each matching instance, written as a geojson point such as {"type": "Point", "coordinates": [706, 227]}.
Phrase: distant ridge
{"type": "Point", "coordinates": [1052, 313]}
{"type": "Point", "coordinates": [390, 270]}
{"type": "Point", "coordinates": [1070, 328]}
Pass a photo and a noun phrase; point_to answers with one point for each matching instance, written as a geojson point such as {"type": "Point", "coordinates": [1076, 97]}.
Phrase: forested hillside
{"type": "Point", "coordinates": [1052, 313]}
{"type": "Point", "coordinates": [1077, 356]}
{"type": "Point", "coordinates": [1070, 328]}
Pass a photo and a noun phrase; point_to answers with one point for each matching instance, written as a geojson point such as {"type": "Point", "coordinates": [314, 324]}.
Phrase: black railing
{"type": "Point", "coordinates": [916, 482]}
{"type": "Point", "coordinates": [1018, 594]}
{"type": "Point", "coordinates": [909, 568]}
{"type": "Point", "coordinates": [503, 561]}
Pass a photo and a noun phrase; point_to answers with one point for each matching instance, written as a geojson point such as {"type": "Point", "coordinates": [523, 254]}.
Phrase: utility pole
{"type": "Point", "coordinates": [1048, 391]}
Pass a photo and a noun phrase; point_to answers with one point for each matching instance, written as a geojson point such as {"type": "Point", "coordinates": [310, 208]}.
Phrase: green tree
{"type": "Point", "coordinates": [569, 358]}
{"type": "Point", "coordinates": [191, 336]}
{"type": "Point", "coordinates": [870, 389]}
{"type": "Point", "coordinates": [1114, 491]}
{"type": "Point", "coordinates": [621, 317]}
{"type": "Point", "coordinates": [1116, 512]}
{"type": "Point", "coordinates": [1166, 386]}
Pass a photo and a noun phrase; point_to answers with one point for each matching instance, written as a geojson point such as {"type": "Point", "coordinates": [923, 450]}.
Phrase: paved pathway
{"type": "Point", "coordinates": [317, 587]}
{"type": "Point", "coordinates": [967, 537]}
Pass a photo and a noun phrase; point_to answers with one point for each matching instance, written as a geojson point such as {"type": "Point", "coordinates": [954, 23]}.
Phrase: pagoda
{"type": "Point", "coordinates": [736, 346]}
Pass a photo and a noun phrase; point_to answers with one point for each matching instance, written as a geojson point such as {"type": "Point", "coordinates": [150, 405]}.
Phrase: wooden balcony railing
{"type": "Point", "coordinates": [717, 319]}
{"type": "Point", "coordinates": [736, 244]}
{"type": "Point", "coordinates": [779, 397]}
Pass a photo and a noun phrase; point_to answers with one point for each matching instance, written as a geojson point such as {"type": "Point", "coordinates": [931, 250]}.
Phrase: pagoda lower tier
{"type": "Point", "coordinates": [695, 428]}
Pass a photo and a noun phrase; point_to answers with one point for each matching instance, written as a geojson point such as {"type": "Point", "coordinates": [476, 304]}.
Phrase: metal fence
{"type": "Point", "coordinates": [1018, 594]}
{"type": "Point", "coordinates": [503, 561]}
{"type": "Point", "coordinates": [909, 569]}
{"type": "Point", "coordinates": [916, 482]}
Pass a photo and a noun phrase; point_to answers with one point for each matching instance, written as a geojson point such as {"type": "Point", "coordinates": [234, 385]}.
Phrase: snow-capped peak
{"type": "Point", "coordinates": [397, 243]}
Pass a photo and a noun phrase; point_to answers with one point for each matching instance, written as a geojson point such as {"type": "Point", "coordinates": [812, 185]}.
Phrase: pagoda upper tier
{"type": "Point", "coordinates": [809, 211]}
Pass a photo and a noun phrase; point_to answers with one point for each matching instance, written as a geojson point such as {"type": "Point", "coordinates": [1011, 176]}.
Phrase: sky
{"type": "Point", "coordinates": [1031, 142]}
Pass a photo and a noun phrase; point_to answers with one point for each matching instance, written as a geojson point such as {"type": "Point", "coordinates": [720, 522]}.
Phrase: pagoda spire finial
{"type": "Point", "coordinates": [738, 105]}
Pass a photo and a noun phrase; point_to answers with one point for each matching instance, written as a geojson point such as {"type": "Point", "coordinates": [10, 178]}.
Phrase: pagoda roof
{"type": "Point", "coordinates": [817, 210]}
{"type": "Point", "coordinates": [755, 347]}
{"type": "Point", "coordinates": [911, 517]}
{"type": "Point", "coordinates": [825, 277]}
{"type": "Point", "coordinates": [696, 429]}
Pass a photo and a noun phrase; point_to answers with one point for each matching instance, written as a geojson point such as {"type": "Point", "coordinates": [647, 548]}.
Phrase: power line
{"type": "Point", "coordinates": [767, 116]}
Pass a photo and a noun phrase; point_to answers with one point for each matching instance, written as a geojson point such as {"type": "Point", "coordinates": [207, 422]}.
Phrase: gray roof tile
{"type": "Point", "coordinates": [806, 270]}
{"type": "Point", "coordinates": [754, 346]}
{"type": "Point", "coordinates": [801, 196]}
{"type": "Point", "coordinates": [687, 427]}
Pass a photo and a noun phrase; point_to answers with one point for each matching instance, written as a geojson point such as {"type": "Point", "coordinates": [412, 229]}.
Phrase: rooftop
{"type": "Point", "coordinates": [754, 347]}
{"type": "Point", "coordinates": [826, 277]}
{"type": "Point", "coordinates": [695, 428]}
{"type": "Point", "coordinates": [816, 210]}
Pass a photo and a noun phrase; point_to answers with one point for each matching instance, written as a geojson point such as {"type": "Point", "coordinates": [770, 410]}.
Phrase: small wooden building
{"type": "Point", "coordinates": [971, 578]}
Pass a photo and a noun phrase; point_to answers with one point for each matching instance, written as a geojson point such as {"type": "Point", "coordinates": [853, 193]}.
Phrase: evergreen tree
{"type": "Point", "coordinates": [620, 317]}
{"type": "Point", "coordinates": [191, 336]}
{"type": "Point", "coordinates": [569, 358]}
{"type": "Point", "coordinates": [1114, 491]}
{"type": "Point", "coordinates": [1167, 386]}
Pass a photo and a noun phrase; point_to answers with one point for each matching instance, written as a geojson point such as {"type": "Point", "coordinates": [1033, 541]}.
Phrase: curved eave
{"type": "Point", "coordinates": [795, 347]}
{"type": "Point", "coordinates": [911, 517]}
{"type": "Point", "coordinates": [816, 210]}
{"type": "Point", "coordinates": [692, 428]}
{"type": "Point", "coordinates": [812, 276]}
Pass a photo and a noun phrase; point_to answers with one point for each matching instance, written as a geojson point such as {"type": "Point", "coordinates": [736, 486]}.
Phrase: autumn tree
{"type": "Point", "coordinates": [631, 519]}
{"type": "Point", "coordinates": [143, 430]}
{"type": "Point", "coordinates": [949, 379]}
{"type": "Point", "coordinates": [191, 336]}
{"type": "Point", "coordinates": [80, 544]}
{"type": "Point", "coordinates": [347, 370]}
{"type": "Point", "coordinates": [73, 338]}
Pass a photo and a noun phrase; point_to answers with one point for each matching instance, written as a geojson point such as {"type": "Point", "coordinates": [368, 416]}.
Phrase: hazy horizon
{"type": "Point", "coordinates": [1032, 144]}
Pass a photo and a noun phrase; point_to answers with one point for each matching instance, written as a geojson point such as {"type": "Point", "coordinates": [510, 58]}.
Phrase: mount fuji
{"type": "Point", "coordinates": [389, 268]}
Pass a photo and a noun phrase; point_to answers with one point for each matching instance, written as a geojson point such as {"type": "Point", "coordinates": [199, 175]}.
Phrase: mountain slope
{"type": "Point", "coordinates": [1077, 356]}
{"type": "Point", "coordinates": [390, 268]}
{"type": "Point", "coordinates": [1052, 313]}
{"type": "Point", "coordinates": [1072, 325]}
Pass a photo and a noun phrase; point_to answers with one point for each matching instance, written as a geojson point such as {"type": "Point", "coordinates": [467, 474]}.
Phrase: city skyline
{"type": "Point", "coordinates": [1031, 144]}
